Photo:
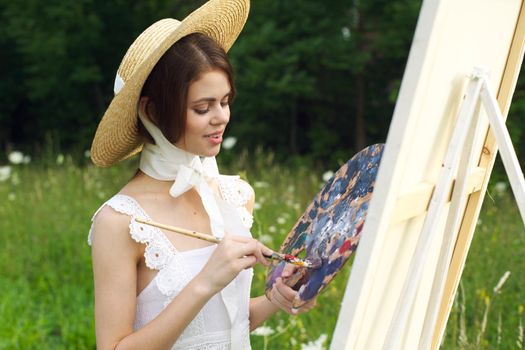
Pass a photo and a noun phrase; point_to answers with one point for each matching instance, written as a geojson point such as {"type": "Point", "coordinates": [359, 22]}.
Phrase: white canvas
{"type": "Point", "coordinates": [452, 38]}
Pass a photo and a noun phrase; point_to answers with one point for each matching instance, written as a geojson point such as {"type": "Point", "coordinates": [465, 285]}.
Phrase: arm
{"type": "Point", "coordinates": [282, 296]}
{"type": "Point", "coordinates": [115, 259]}
{"type": "Point", "coordinates": [261, 309]}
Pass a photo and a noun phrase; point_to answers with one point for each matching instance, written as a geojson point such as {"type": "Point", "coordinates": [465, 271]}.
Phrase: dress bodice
{"type": "Point", "coordinates": [223, 322]}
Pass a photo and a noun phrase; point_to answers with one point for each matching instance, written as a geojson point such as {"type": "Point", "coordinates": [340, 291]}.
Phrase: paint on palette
{"type": "Point", "coordinates": [330, 228]}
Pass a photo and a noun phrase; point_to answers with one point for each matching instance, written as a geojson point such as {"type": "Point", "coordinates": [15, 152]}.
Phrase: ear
{"type": "Point", "coordinates": [147, 108]}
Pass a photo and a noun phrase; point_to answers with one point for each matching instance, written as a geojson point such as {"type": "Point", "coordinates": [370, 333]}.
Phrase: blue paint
{"type": "Point", "coordinates": [335, 216]}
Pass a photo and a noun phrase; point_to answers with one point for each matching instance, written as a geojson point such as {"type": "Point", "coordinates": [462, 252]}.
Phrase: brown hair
{"type": "Point", "coordinates": [168, 83]}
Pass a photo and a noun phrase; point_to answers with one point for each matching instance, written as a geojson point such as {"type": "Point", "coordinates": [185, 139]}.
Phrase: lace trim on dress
{"type": "Point", "coordinates": [159, 254]}
{"type": "Point", "coordinates": [238, 193]}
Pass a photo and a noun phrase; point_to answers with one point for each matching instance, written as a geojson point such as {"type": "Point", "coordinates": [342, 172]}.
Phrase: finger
{"type": "Point", "coordinates": [263, 253]}
{"type": "Point", "coordinates": [288, 270]}
{"type": "Point", "coordinates": [239, 248]}
{"type": "Point", "coordinates": [281, 301]}
{"type": "Point", "coordinates": [240, 239]}
{"type": "Point", "coordinates": [265, 249]}
{"type": "Point", "coordinates": [252, 247]}
{"type": "Point", "coordinates": [246, 262]}
{"type": "Point", "coordinates": [277, 302]}
{"type": "Point", "coordinates": [303, 308]}
{"type": "Point", "coordinates": [285, 291]}
{"type": "Point", "coordinates": [259, 254]}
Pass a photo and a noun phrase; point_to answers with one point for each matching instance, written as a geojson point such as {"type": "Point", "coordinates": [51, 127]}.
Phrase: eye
{"type": "Point", "coordinates": [201, 111]}
{"type": "Point", "coordinates": [225, 103]}
{"type": "Point", "coordinates": [201, 108]}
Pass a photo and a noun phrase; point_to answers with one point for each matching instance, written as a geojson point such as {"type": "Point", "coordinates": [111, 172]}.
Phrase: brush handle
{"type": "Point", "coordinates": [209, 238]}
{"type": "Point", "coordinates": [181, 231]}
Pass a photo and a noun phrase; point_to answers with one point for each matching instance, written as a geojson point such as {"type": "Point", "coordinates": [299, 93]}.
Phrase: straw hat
{"type": "Point", "coordinates": [117, 136]}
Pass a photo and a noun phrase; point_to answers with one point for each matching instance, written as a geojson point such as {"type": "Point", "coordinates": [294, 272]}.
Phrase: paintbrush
{"type": "Point", "coordinates": [291, 259]}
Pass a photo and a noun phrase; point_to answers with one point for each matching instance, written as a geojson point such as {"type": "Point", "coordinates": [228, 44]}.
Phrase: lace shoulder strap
{"type": "Point", "coordinates": [237, 193]}
{"type": "Point", "coordinates": [159, 249]}
{"type": "Point", "coordinates": [234, 190]}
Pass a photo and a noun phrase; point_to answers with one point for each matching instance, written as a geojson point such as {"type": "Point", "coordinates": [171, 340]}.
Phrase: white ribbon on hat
{"type": "Point", "coordinates": [164, 161]}
{"type": "Point", "coordinates": [119, 84]}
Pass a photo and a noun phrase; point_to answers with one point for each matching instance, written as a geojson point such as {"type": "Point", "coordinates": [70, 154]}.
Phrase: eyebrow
{"type": "Point", "coordinates": [210, 99]}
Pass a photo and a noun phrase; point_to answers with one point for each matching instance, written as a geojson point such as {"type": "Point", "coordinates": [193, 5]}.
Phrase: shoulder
{"type": "Point", "coordinates": [108, 218]}
{"type": "Point", "coordinates": [249, 193]}
{"type": "Point", "coordinates": [245, 187]}
{"type": "Point", "coordinates": [236, 191]}
{"type": "Point", "coordinates": [110, 231]}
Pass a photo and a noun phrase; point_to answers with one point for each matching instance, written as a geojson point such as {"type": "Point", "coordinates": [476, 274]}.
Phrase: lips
{"type": "Point", "coordinates": [215, 138]}
{"type": "Point", "coordinates": [215, 135]}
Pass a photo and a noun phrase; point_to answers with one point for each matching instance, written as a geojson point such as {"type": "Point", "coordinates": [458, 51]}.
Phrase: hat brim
{"type": "Point", "coordinates": [117, 136]}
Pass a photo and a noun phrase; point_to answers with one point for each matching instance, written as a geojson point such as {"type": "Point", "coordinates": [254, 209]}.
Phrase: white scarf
{"type": "Point", "coordinates": [164, 161]}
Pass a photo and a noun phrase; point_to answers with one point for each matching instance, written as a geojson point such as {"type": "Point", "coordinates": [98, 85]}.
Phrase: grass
{"type": "Point", "coordinates": [46, 293]}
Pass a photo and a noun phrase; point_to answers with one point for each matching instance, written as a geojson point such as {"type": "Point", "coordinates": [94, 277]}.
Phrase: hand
{"type": "Point", "coordinates": [287, 299]}
{"type": "Point", "coordinates": [233, 254]}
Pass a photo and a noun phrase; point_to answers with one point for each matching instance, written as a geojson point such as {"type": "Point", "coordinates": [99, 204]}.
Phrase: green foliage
{"type": "Point", "coordinates": [320, 74]}
{"type": "Point", "coordinates": [482, 316]}
{"type": "Point", "coordinates": [59, 61]}
{"type": "Point", "coordinates": [46, 290]}
{"type": "Point", "coordinates": [313, 77]}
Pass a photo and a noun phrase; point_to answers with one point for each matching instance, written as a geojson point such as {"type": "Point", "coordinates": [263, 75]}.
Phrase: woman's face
{"type": "Point", "coordinates": [207, 114]}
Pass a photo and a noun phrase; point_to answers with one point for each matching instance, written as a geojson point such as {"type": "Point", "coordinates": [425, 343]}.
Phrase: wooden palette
{"type": "Point", "coordinates": [329, 229]}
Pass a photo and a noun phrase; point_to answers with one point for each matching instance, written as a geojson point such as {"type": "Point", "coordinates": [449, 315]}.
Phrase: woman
{"type": "Point", "coordinates": [155, 289]}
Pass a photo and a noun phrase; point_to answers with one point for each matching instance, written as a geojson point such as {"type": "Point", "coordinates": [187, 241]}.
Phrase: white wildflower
{"type": "Point", "coordinates": [11, 196]}
{"type": "Point", "coordinates": [260, 184]}
{"type": "Point", "coordinates": [272, 229]}
{"type": "Point", "coordinates": [291, 188]}
{"type": "Point", "coordinates": [229, 142]}
{"type": "Point", "coordinates": [263, 331]}
{"type": "Point", "coordinates": [266, 239]}
{"type": "Point", "coordinates": [479, 222]}
{"type": "Point", "coordinates": [316, 344]}
{"type": "Point", "coordinates": [16, 157]}
{"type": "Point", "coordinates": [328, 175]}
{"type": "Point", "coordinates": [60, 159]}
{"type": "Point", "coordinates": [87, 153]}
{"type": "Point", "coordinates": [5, 172]}
{"type": "Point", "coordinates": [345, 31]}
{"type": "Point", "coordinates": [27, 159]}
{"type": "Point", "coordinates": [281, 220]}
{"type": "Point", "coordinates": [501, 282]}
{"type": "Point", "coordinates": [257, 206]}
{"type": "Point", "coordinates": [500, 187]}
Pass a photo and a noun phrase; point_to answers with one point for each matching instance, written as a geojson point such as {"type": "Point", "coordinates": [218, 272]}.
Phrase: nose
{"type": "Point", "coordinates": [221, 115]}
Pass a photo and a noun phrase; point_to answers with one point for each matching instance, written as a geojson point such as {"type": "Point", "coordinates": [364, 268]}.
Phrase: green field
{"type": "Point", "coordinates": [46, 293]}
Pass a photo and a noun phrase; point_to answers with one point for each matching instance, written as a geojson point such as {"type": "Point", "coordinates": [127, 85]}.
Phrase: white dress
{"type": "Point", "coordinates": [223, 322]}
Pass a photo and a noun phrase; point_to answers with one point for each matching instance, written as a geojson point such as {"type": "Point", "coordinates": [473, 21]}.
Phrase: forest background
{"type": "Point", "coordinates": [317, 81]}
{"type": "Point", "coordinates": [314, 78]}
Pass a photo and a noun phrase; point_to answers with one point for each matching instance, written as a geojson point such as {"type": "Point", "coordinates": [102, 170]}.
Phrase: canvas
{"type": "Point", "coordinates": [452, 38]}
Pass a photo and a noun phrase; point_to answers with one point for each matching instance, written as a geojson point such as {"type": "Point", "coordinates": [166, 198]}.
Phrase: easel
{"type": "Point", "coordinates": [460, 150]}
